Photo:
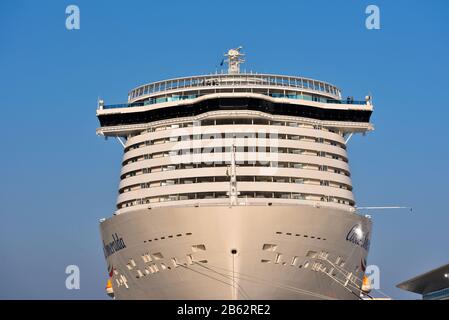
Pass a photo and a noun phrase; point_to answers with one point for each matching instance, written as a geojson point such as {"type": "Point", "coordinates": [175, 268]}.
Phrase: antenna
{"type": "Point", "coordinates": [234, 59]}
{"type": "Point", "coordinates": [231, 172]}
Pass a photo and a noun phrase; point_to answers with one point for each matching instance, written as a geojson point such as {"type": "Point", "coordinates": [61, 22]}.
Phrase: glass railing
{"type": "Point", "coordinates": [347, 101]}
{"type": "Point", "coordinates": [172, 98]}
{"type": "Point", "coordinates": [150, 101]}
{"type": "Point", "coordinates": [274, 95]}
{"type": "Point", "coordinates": [124, 105]}
{"type": "Point", "coordinates": [237, 80]}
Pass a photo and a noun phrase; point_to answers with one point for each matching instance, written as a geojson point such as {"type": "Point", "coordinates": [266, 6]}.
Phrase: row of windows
{"type": "Point", "coordinates": [239, 80]}
{"type": "Point", "coordinates": [271, 93]}
{"type": "Point", "coordinates": [268, 164]}
{"type": "Point", "coordinates": [193, 180]}
{"type": "Point", "coordinates": [174, 97]}
{"type": "Point", "coordinates": [262, 134]}
{"type": "Point", "coordinates": [279, 94]}
{"type": "Point", "coordinates": [238, 121]}
{"type": "Point", "coordinates": [191, 94]}
{"type": "Point", "coordinates": [230, 106]}
{"type": "Point", "coordinates": [244, 195]}
{"type": "Point", "coordinates": [226, 150]}
{"type": "Point", "coordinates": [240, 136]}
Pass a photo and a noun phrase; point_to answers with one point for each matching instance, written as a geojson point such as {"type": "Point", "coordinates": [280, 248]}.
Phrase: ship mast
{"type": "Point", "coordinates": [231, 172]}
{"type": "Point", "coordinates": [234, 59]}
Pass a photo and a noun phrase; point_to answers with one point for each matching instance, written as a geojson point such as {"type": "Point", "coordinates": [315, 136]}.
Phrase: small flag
{"type": "Point", "coordinates": [363, 264]}
{"type": "Point", "coordinates": [110, 271]}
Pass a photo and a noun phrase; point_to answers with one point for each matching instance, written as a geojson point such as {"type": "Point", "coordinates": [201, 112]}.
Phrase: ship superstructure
{"type": "Point", "coordinates": [236, 186]}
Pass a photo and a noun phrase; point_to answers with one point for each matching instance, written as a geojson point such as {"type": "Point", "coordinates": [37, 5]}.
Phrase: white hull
{"type": "Point", "coordinates": [274, 256]}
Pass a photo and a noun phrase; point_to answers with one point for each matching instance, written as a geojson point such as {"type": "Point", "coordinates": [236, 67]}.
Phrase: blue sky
{"type": "Point", "coordinates": [58, 178]}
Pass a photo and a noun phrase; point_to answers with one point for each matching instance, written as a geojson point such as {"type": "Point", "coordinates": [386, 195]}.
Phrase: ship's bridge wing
{"type": "Point", "coordinates": [354, 116]}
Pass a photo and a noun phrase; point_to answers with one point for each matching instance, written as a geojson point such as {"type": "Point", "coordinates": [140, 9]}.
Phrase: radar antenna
{"type": "Point", "coordinates": [234, 59]}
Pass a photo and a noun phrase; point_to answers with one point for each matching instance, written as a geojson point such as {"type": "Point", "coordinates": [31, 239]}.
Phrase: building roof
{"type": "Point", "coordinates": [425, 283]}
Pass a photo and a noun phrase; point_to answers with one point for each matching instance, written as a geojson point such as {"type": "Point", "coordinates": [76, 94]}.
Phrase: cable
{"type": "Point", "coordinates": [204, 275]}
{"type": "Point", "coordinates": [276, 285]}
{"type": "Point", "coordinates": [242, 291]}
{"type": "Point", "coordinates": [233, 277]}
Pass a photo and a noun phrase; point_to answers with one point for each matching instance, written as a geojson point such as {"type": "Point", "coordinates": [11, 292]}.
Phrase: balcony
{"type": "Point", "coordinates": [321, 99]}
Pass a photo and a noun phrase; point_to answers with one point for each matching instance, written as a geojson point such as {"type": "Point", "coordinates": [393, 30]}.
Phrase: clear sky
{"type": "Point", "coordinates": [58, 178]}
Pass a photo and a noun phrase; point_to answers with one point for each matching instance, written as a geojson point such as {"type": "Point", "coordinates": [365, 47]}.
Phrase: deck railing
{"type": "Point", "coordinates": [235, 80]}
{"type": "Point", "coordinates": [178, 98]}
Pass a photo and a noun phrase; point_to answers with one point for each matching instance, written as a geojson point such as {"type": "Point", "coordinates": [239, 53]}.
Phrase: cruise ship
{"type": "Point", "coordinates": [235, 185]}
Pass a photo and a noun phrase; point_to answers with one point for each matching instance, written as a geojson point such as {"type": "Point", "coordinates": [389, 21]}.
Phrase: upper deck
{"type": "Point", "coordinates": [242, 82]}
{"type": "Point", "coordinates": [279, 95]}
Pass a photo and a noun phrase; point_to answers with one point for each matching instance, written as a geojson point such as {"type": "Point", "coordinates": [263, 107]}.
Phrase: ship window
{"type": "Point", "coordinates": [311, 254]}
{"type": "Point", "coordinates": [294, 261]}
{"type": "Point", "coordinates": [281, 195]}
{"type": "Point", "coordinates": [158, 256]}
{"type": "Point", "coordinates": [261, 121]}
{"type": "Point", "coordinates": [269, 247]}
{"type": "Point", "coordinates": [198, 247]}
{"type": "Point", "coordinates": [155, 268]}
{"type": "Point", "coordinates": [224, 121]}
{"type": "Point", "coordinates": [263, 195]}
{"type": "Point", "coordinates": [277, 260]}
{"type": "Point", "coordinates": [146, 258]}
